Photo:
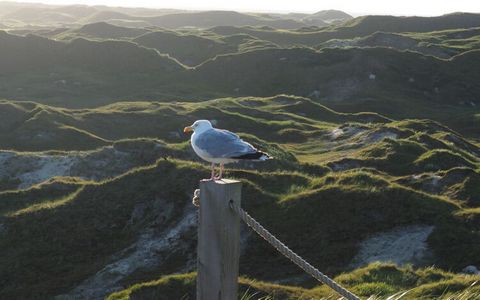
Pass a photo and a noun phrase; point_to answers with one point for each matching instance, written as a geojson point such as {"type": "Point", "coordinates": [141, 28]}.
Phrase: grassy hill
{"type": "Point", "coordinates": [101, 31]}
{"type": "Point", "coordinates": [382, 80]}
{"type": "Point", "coordinates": [322, 18]}
{"type": "Point", "coordinates": [219, 18]}
{"type": "Point", "coordinates": [30, 53]}
{"type": "Point", "coordinates": [192, 49]}
{"type": "Point", "coordinates": [359, 27]}
{"type": "Point", "coordinates": [39, 15]}
{"type": "Point", "coordinates": [51, 15]}
{"type": "Point", "coordinates": [90, 72]}
{"type": "Point", "coordinates": [442, 44]}
{"type": "Point", "coordinates": [319, 19]}
{"type": "Point", "coordinates": [331, 16]}
{"type": "Point", "coordinates": [389, 174]}
{"type": "Point", "coordinates": [424, 283]}
{"type": "Point", "coordinates": [22, 15]}
{"type": "Point", "coordinates": [31, 126]}
{"type": "Point", "coordinates": [91, 206]}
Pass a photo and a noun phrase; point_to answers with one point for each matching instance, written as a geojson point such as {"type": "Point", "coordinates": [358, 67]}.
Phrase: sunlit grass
{"type": "Point", "coordinates": [52, 204]}
{"type": "Point", "coordinates": [373, 282]}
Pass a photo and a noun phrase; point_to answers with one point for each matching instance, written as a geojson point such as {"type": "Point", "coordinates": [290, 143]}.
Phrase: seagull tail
{"type": "Point", "coordinates": [264, 156]}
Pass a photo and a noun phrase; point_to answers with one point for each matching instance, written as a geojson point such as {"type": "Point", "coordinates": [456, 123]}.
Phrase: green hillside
{"type": "Point", "coordinates": [421, 284]}
{"type": "Point", "coordinates": [358, 27]}
{"type": "Point", "coordinates": [31, 126]}
{"type": "Point", "coordinates": [396, 84]}
{"type": "Point", "coordinates": [23, 14]}
{"type": "Point", "coordinates": [301, 71]}
{"type": "Point", "coordinates": [31, 53]}
{"type": "Point", "coordinates": [101, 31]}
{"type": "Point", "coordinates": [330, 16]}
{"type": "Point", "coordinates": [33, 67]}
{"type": "Point", "coordinates": [389, 174]}
{"type": "Point", "coordinates": [442, 44]}
{"type": "Point", "coordinates": [383, 80]}
{"type": "Point", "coordinates": [192, 49]}
{"type": "Point", "coordinates": [220, 18]}
{"type": "Point", "coordinates": [372, 24]}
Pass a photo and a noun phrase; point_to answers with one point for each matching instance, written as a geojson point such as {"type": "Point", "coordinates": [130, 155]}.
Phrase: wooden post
{"type": "Point", "coordinates": [218, 240]}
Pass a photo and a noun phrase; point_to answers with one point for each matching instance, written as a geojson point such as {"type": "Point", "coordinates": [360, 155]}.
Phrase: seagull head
{"type": "Point", "coordinates": [198, 126]}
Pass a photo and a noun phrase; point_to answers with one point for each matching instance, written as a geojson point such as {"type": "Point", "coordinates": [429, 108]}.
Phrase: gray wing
{"type": "Point", "coordinates": [223, 144]}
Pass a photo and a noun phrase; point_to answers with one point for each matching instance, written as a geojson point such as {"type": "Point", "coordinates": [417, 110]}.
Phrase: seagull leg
{"type": "Point", "coordinates": [221, 170]}
{"type": "Point", "coordinates": [213, 172]}
{"type": "Point", "coordinates": [220, 173]}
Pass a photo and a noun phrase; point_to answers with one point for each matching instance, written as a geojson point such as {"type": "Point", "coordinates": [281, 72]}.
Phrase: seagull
{"type": "Point", "coordinates": [219, 146]}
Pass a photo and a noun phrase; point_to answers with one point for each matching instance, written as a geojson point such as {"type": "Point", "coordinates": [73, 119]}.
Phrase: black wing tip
{"type": "Point", "coordinates": [259, 155]}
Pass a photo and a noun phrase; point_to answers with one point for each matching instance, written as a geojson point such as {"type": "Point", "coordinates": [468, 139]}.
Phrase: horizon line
{"type": "Point", "coordinates": [198, 9]}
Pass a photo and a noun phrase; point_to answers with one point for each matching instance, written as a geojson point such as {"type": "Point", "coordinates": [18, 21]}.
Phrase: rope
{"type": "Point", "coordinates": [295, 258]}
{"type": "Point", "coordinates": [196, 198]}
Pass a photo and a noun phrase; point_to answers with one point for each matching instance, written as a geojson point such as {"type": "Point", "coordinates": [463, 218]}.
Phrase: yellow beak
{"type": "Point", "coordinates": [187, 129]}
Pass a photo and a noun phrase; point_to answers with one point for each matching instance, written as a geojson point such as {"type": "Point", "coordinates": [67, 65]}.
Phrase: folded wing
{"type": "Point", "coordinates": [219, 143]}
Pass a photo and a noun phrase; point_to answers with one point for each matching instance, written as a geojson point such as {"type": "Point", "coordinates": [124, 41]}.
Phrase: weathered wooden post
{"type": "Point", "coordinates": [218, 240]}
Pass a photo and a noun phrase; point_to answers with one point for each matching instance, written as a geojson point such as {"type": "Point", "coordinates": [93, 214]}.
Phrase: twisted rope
{"type": "Point", "coordinates": [196, 198]}
{"type": "Point", "coordinates": [295, 258]}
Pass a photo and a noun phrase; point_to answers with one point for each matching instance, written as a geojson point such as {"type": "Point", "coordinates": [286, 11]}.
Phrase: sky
{"type": "Point", "coordinates": [356, 7]}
